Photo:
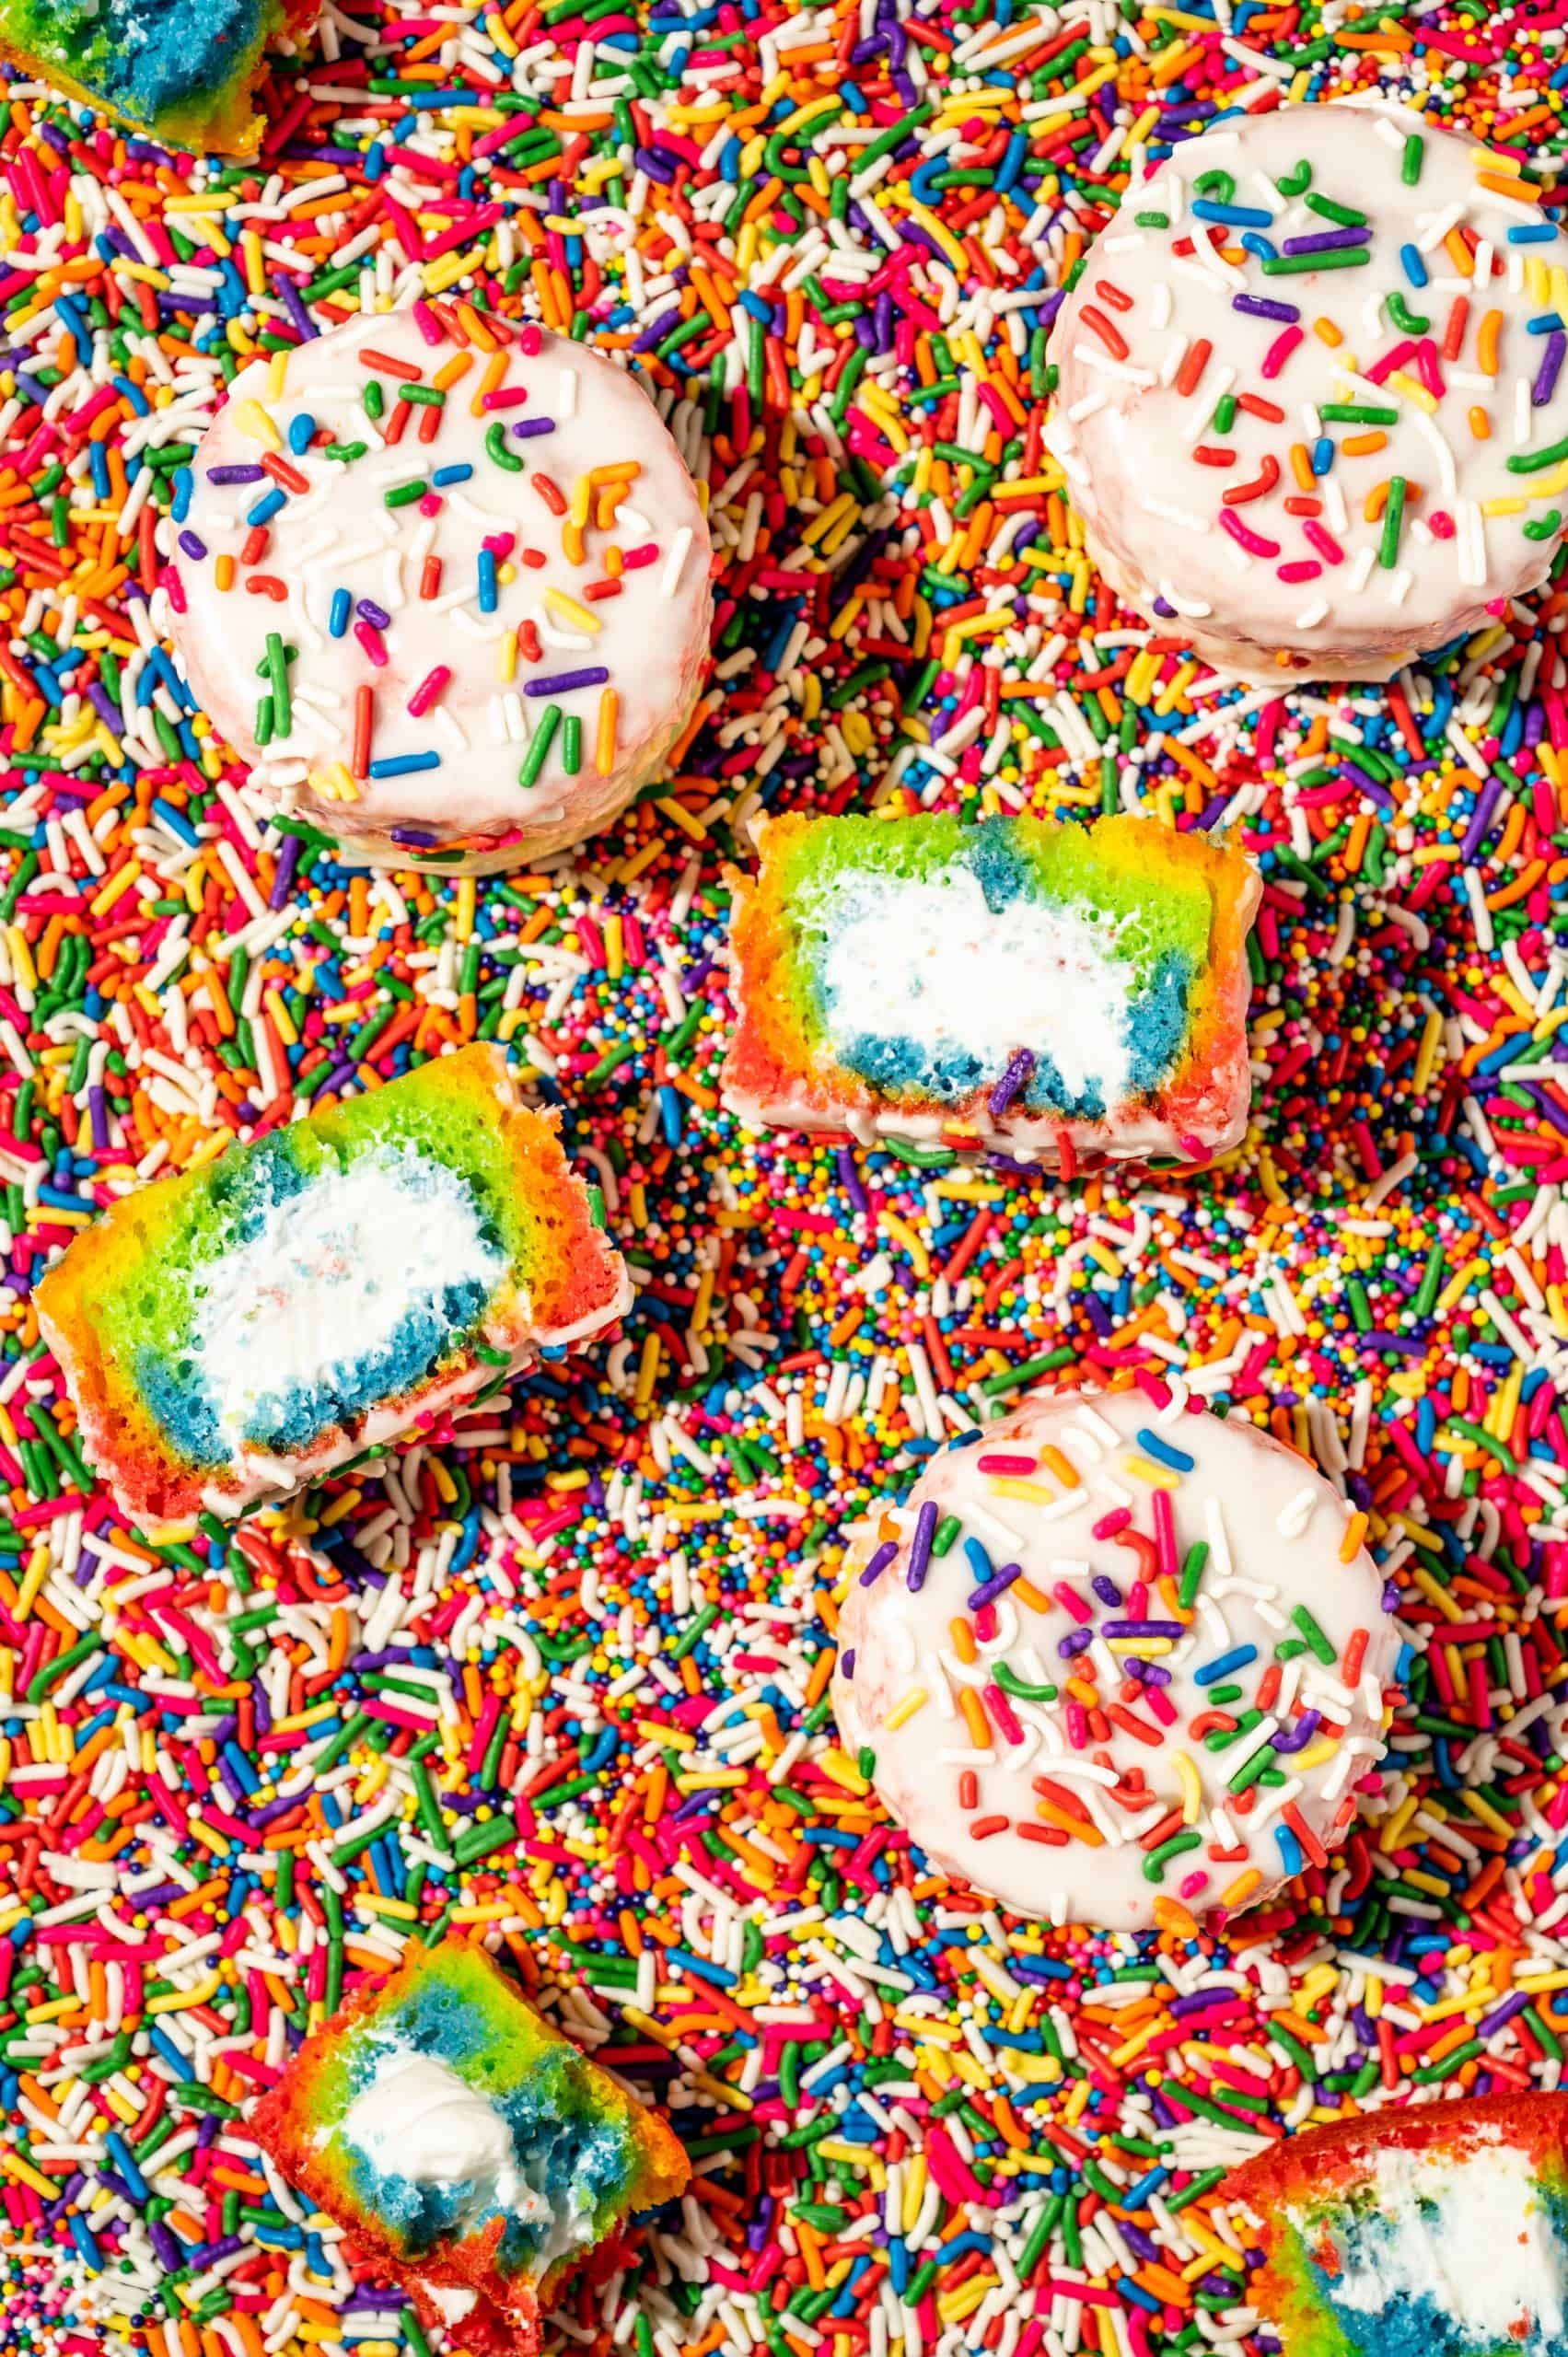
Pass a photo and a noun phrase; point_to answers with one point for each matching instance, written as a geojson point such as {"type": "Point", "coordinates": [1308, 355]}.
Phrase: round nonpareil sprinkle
{"type": "Point", "coordinates": [561, 1676]}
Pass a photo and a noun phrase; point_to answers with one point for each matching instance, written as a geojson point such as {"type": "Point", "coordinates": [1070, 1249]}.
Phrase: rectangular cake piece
{"type": "Point", "coordinates": [1063, 996]}
{"type": "Point", "coordinates": [1437, 2232]}
{"type": "Point", "coordinates": [464, 2145]}
{"type": "Point", "coordinates": [181, 71]}
{"type": "Point", "coordinates": [231, 1334]}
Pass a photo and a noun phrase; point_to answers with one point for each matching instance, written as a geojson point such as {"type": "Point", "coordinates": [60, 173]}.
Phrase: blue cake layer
{"type": "Point", "coordinates": [159, 62]}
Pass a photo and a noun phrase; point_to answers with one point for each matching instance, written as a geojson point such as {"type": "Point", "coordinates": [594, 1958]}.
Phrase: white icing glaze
{"type": "Point", "coordinates": [1135, 1135]}
{"type": "Point", "coordinates": [1128, 434]}
{"type": "Point", "coordinates": [256, 1475]}
{"type": "Point", "coordinates": [1467, 2231]}
{"type": "Point", "coordinates": [330, 1276]}
{"type": "Point", "coordinates": [651, 635]}
{"type": "Point", "coordinates": [1274, 1530]}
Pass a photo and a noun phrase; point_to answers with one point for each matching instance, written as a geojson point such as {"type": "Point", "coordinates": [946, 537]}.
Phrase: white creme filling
{"type": "Point", "coordinates": [451, 2304]}
{"type": "Point", "coordinates": [419, 2120]}
{"type": "Point", "coordinates": [930, 962]}
{"type": "Point", "coordinates": [330, 1277]}
{"type": "Point", "coordinates": [1487, 2256]}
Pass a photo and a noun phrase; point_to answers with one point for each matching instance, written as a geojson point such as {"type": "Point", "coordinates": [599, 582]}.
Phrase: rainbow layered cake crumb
{"type": "Point", "coordinates": [231, 1334]}
{"type": "Point", "coordinates": [1437, 2233]}
{"type": "Point", "coordinates": [184, 71]}
{"type": "Point", "coordinates": [463, 2145]}
{"type": "Point", "coordinates": [1063, 996]}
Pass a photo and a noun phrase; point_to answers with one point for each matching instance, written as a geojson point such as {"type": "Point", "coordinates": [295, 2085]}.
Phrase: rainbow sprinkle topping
{"type": "Point", "coordinates": [854, 364]}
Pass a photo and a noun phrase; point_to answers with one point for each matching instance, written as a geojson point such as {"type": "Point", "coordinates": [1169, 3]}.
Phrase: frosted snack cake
{"type": "Point", "coordinates": [1311, 403]}
{"type": "Point", "coordinates": [1442, 2230]}
{"type": "Point", "coordinates": [181, 71]}
{"type": "Point", "coordinates": [1117, 1663]}
{"type": "Point", "coordinates": [444, 587]}
{"type": "Point", "coordinates": [465, 2146]}
{"type": "Point", "coordinates": [1063, 995]}
{"type": "Point", "coordinates": [231, 1334]}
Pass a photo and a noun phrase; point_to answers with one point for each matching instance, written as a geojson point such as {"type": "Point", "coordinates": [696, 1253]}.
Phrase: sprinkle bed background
{"type": "Point", "coordinates": [828, 241]}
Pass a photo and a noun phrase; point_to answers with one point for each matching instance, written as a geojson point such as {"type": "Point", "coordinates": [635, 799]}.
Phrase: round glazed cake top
{"type": "Point", "coordinates": [1311, 389]}
{"type": "Point", "coordinates": [1112, 1656]}
{"type": "Point", "coordinates": [450, 591]}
